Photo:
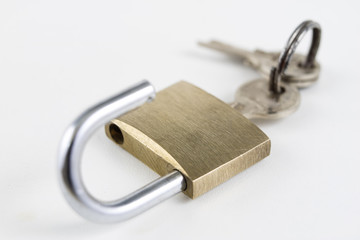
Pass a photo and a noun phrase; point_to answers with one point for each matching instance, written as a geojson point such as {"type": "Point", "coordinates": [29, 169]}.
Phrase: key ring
{"type": "Point", "coordinates": [277, 73]}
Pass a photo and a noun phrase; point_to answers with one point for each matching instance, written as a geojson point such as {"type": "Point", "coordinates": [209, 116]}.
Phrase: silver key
{"type": "Point", "coordinates": [302, 71]}
{"type": "Point", "coordinates": [271, 98]}
{"type": "Point", "coordinates": [255, 100]}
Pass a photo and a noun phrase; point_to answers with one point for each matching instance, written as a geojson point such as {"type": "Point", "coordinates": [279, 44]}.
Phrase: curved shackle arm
{"type": "Point", "coordinates": [285, 56]}
{"type": "Point", "coordinates": [71, 148]}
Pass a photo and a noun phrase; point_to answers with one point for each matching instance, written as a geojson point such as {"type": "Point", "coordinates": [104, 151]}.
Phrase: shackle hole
{"type": "Point", "coordinates": [116, 134]}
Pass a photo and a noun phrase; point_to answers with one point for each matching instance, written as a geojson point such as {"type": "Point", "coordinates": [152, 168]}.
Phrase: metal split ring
{"type": "Point", "coordinates": [277, 73]}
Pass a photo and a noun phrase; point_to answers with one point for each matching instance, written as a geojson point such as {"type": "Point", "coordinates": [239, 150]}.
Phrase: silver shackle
{"type": "Point", "coordinates": [71, 149]}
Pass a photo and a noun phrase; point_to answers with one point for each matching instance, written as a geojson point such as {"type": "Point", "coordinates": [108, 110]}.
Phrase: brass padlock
{"type": "Point", "coordinates": [192, 139]}
{"type": "Point", "coordinates": [191, 131]}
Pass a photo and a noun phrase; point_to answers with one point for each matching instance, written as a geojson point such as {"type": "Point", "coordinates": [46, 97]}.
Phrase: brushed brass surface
{"type": "Point", "coordinates": [191, 131]}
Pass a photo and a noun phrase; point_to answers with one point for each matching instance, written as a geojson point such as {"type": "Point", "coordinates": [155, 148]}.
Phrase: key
{"type": "Point", "coordinates": [255, 100]}
{"type": "Point", "coordinates": [263, 61]}
{"type": "Point", "coordinates": [269, 98]}
{"type": "Point", "coordinates": [275, 96]}
{"type": "Point", "coordinates": [302, 71]}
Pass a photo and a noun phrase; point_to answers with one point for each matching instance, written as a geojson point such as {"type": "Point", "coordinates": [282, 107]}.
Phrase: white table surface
{"type": "Point", "coordinates": [59, 57]}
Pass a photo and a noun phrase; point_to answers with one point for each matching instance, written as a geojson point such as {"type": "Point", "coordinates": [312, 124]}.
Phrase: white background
{"type": "Point", "coordinates": [59, 57]}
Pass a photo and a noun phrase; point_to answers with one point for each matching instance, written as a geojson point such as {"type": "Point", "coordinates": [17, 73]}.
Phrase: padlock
{"type": "Point", "coordinates": [192, 139]}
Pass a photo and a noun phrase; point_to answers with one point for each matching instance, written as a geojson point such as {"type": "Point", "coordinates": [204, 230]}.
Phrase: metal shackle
{"type": "Point", "coordinates": [69, 160]}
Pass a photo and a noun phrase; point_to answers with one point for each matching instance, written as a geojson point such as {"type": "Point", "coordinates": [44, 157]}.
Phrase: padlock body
{"type": "Point", "coordinates": [191, 131]}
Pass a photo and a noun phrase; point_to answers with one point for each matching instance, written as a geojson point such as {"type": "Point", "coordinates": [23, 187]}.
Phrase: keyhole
{"type": "Point", "coordinates": [116, 134]}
